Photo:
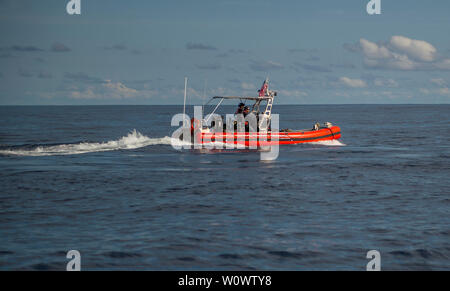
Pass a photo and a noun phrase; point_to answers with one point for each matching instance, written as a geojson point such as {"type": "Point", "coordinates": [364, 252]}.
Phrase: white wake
{"type": "Point", "coordinates": [333, 143]}
{"type": "Point", "coordinates": [133, 140]}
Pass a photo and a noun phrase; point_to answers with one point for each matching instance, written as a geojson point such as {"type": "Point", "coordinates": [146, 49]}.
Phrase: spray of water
{"type": "Point", "coordinates": [333, 143]}
{"type": "Point", "coordinates": [133, 140]}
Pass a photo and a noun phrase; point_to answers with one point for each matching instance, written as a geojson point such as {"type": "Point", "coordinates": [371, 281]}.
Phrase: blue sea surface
{"type": "Point", "coordinates": [104, 180]}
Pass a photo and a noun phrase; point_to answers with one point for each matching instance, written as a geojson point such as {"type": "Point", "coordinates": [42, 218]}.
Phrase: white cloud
{"type": "Point", "coordinates": [87, 93]}
{"type": "Point", "coordinates": [379, 56]}
{"type": "Point", "coordinates": [416, 49]}
{"type": "Point", "coordinates": [402, 53]}
{"type": "Point", "coordinates": [108, 90]}
{"type": "Point", "coordinates": [373, 51]}
{"type": "Point", "coordinates": [119, 90]}
{"type": "Point", "coordinates": [445, 91]}
{"type": "Point", "coordinates": [353, 83]}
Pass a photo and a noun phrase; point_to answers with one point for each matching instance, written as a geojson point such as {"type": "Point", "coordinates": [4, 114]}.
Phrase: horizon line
{"type": "Point", "coordinates": [311, 104]}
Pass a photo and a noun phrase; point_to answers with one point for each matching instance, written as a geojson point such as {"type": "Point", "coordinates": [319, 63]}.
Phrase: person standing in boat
{"type": "Point", "coordinates": [316, 126]}
{"type": "Point", "coordinates": [240, 109]}
{"type": "Point", "coordinates": [246, 111]}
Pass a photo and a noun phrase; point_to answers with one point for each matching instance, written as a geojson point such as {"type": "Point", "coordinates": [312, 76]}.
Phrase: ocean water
{"type": "Point", "coordinates": [104, 180]}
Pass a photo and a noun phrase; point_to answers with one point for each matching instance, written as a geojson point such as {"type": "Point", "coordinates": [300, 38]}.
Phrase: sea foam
{"type": "Point", "coordinates": [133, 140]}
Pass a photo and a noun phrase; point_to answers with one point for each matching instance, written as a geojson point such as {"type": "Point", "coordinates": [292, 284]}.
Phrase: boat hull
{"type": "Point", "coordinates": [271, 138]}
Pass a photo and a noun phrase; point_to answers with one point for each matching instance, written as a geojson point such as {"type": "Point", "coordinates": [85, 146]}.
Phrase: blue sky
{"type": "Point", "coordinates": [138, 52]}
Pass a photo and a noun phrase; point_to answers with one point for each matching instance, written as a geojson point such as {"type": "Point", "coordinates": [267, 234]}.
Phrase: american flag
{"type": "Point", "coordinates": [263, 89]}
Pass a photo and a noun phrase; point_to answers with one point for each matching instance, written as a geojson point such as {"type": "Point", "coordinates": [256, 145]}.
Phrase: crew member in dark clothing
{"type": "Point", "coordinates": [240, 109]}
{"type": "Point", "coordinates": [246, 111]}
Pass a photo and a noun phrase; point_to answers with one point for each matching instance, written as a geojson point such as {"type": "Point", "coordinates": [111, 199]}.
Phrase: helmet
{"type": "Point", "coordinates": [241, 104]}
{"type": "Point", "coordinates": [246, 108]}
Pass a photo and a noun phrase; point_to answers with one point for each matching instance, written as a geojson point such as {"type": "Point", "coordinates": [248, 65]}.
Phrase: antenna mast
{"type": "Point", "coordinates": [184, 103]}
